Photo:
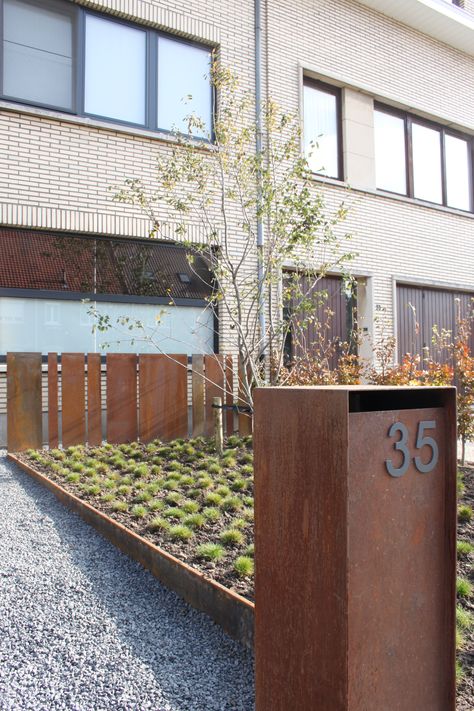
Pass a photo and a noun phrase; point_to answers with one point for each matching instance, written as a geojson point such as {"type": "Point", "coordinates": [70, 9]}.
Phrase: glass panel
{"type": "Point", "coordinates": [37, 54]}
{"type": "Point", "coordinates": [65, 326]}
{"type": "Point", "coordinates": [115, 72]}
{"type": "Point", "coordinates": [390, 153]}
{"type": "Point", "coordinates": [427, 163]}
{"type": "Point", "coordinates": [458, 177]}
{"type": "Point", "coordinates": [320, 131]}
{"type": "Point", "coordinates": [184, 87]}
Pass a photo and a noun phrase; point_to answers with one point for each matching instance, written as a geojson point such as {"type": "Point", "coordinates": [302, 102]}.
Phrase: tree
{"type": "Point", "coordinates": [226, 188]}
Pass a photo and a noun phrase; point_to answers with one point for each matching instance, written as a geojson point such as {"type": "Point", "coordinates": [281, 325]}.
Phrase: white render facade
{"type": "Point", "coordinates": [417, 56]}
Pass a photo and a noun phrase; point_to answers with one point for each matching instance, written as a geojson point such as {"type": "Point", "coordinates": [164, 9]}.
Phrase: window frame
{"type": "Point", "coordinates": [79, 14]}
{"type": "Point", "coordinates": [335, 91]}
{"type": "Point", "coordinates": [409, 120]}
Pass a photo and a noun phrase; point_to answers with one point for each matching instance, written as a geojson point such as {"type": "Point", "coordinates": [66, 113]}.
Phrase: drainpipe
{"type": "Point", "coordinates": [258, 146]}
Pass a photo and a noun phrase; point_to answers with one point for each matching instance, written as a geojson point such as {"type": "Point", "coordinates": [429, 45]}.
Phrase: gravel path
{"type": "Point", "coordinates": [84, 628]}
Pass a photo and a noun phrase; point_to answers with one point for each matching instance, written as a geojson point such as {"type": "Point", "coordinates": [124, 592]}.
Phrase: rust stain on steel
{"type": "Point", "coordinates": [229, 394]}
{"type": "Point", "coordinates": [122, 425]}
{"type": "Point", "coordinates": [355, 569]}
{"type": "Point", "coordinates": [228, 609]}
{"type": "Point", "coordinates": [149, 388]}
{"type": "Point", "coordinates": [172, 412]}
{"type": "Point", "coordinates": [401, 564]}
{"type": "Point", "coordinates": [301, 549]}
{"type": "Point", "coordinates": [53, 430]}
{"type": "Point", "coordinates": [214, 366]}
{"type": "Point", "coordinates": [24, 420]}
{"type": "Point", "coordinates": [94, 400]}
{"type": "Point", "coordinates": [197, 385]}
{"type": "Point", "coordinates": [73, 399]}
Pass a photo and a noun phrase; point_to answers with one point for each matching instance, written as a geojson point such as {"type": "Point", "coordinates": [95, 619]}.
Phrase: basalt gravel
{"type": "Point", "coordinates": [83, 627]}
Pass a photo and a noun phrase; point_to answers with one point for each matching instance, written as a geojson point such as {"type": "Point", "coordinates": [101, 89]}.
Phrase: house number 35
{"type": "Point", "coordinates": [401, 445]}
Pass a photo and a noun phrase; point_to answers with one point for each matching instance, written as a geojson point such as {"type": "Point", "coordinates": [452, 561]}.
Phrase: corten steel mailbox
{"type": "Point", "coordinates": [355, 543]}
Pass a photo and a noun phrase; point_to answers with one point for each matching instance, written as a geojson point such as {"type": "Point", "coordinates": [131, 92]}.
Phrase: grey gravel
{"type": "Point", "coordinates": [83, 627]}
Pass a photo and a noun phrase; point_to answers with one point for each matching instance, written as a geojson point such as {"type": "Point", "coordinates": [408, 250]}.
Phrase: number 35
{"type": "Point", "coordinates": [402, 446]}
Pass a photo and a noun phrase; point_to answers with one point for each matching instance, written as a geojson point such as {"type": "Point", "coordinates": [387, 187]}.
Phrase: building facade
{"type": "Point", "coordinates": [91, 89]}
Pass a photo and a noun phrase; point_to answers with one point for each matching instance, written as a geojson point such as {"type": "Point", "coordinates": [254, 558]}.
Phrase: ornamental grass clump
{"type": "Point", "coordinates": [464, 514]}
{"type": "Point", "coordinates": [156, 505]}
{"type": "Point", "coordinates": [210, 551]}
{"type": "Point", "coordinates": [244, 566]}
{"type": "Point", "coordinates": [118, 505]}
{"type": "Point", "coordinates": [231, 503]}
{"type": "Point", "coordinates": [143, 497]}
{"type": "Point", "coordinates": [464, 548]}
{"type": "Point", "coordinates": [180, 533]}
{"type": "Point", "coordinates": [139, 511]}
{"type": "Point", "coordinates": [213, 498]}
{"type": "Point", "coordinates": [195, 520]}
{"type": "Point", "coordinates": [190, 506]}
{"type": "Point", "coordinates": [463, 587]}
{"type": "Point", "coordinates": [232, 537]}
{"type": "Point", "coordinates": [173, 512]}
{"type": "Point", "coordinates": [210, 513]}
{"type": "Point", "coordinates": [159, 524]}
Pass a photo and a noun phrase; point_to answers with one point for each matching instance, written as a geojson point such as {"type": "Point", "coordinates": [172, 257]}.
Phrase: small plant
{"type": "Point", "coordinates": [174, 497]}
{"type": "Point", "coordinates": [214, 468]}
{"type": "Point", "coordinates": [194, 493]}
{"type": "Point", "coordinates": [92, 490]}
{"type": "Point", "coordinates": [464, 513]}
{"type": "Point", "coordinates": [239, 485]}
{"type": "Point", "coordinates": [78, 467]}
{"type": "Point", "coordinates": [233, 441]}
{"type": "Point", "coordinates": [159, 524]}
{"type": "Point", "coordinates": [463, 587]}
{"type": "Point", "coordinates": [187, 480]}
{"type": "Point", "coordinates": [109, 484]}
{"type": "Point", "coordinates": [232, 537]}
{"type": "Point", "coordinates": [246, 458]}
{"type": "Point", "coordinates": [140, 471]}
{"type": "Point", "coordinates": [210, 551]}
{"type": "Point", "coordinates": [155, 469]}
{"type": "Point", "coordinates": [143, 497]}
{"type": "Point", "coordinates": [58, 454]}
{"type": "Point", "coordinates": [118, 505]}
{"type": "Point", "coordinates": [124, 490]}
{"type": "Point", "coordinates": [173, 512]}
{"type": "Point", "coordinates": [180, 533]}
{"type": "Point", "coordinates": [213, 498]}
{"type": "Point", "coordinates": [459, 672]}
{"type": "Point", "coordinates": [204, 482]}
{"type": "Point", "coordinates": [211, 513]}
{"type": "Point", "coordinates": [139, 511]}
{"type": "Point", "coordinates": [250, 550]}
{"type": "Point", "coordinates": [239, 523]}
{"type": "Point", "coordinates": [73, 477]}
{"type": "Point", "coordinates": [464, 548]}
{"type": "Point", "coordinates": [223, 491]}
{"type": "Point", "coordinates": [190, 507]}
{"type": "Point", "coordinates": [231, 503]}
{"type": "Point", "coordinates": [246, 470]}
{"type": "Point", "coordinates": [156, 505]}
{"type": "Point", "coordinates": [170, 485]}
{"type": "Point", "coordinates": [174, 466]}
{"type": "Point", "coordinates": [244, 566]}
{"type": "Point", "coordinates": [195, 520]}
{"type": "Point", "coordinates": [248, 515]}
{"type": "Point", "coordinates": [464, 618]}
{"type": "Point", "coordinates": [229, 462]}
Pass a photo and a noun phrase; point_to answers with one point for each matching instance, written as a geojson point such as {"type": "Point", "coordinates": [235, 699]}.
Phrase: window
{"type": "Point", "coordinates": [423, 160]}
{"type": "Point", "coordinates": [322, 128]}
{"type": "Point", "coordinates": [58, 55]}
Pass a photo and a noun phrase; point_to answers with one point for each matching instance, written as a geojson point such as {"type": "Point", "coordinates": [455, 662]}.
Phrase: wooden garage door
{"type": "Point", "coordinates": [331, 322]}
{"type": "Point", "coordinates": [420, 310]}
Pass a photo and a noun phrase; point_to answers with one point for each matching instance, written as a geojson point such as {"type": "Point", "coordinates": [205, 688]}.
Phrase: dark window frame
{"type": "Point", "coordinates": [409, 120]}
{"type": "Point", "coordinates": [79, 14]}
{"type": "Point", "coordinates": [335, 91]}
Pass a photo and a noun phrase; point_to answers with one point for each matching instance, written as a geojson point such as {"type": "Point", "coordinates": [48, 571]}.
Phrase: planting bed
{"type": "Point", "coordinates": [465, 586]}
{"type": "Point", "coordinates": [180, 496]}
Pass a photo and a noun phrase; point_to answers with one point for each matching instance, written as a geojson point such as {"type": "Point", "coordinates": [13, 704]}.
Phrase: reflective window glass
{"type": "Point", "coordinates": [37, 53]}
{"type": "Point", "coordinates": [427, 163]}
{"type": "Point", "coordinates": [390, 153]}
{"type": "Point", "coordinates": [458, 178]}
{"type": "Point", "coordinates": [321, 140]}
{"type": "Point", "coordinates": [115, 70]}
{"type": "Point", "coordinates": [184, 88]}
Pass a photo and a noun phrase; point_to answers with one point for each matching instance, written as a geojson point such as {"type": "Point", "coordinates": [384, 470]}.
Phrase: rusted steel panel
{"type": "Point", "coordinates": [300, 549]}
{"type": "Point", "coordinates": [122, 425]}
{"type": "Point", "coordinates": [245, 419]}
{"type": "Point", "coordinates": [229, 394]}
{"type": "Point", "coordinates": [401, 564]}
{"type": "Point", "coordinates": [355, 516]}
{"type": "Point", "coordinates": [197, 386]}
{"type": "Point", "coordinates": [53, 431]}
{"type": "Point", "coordinates": [24, 422]}
{"type": "Point", "coordinates": [172, 414]}
{"type": "Point", "coordinates": [150, 395]}
{"type": "Point", "coordinates": [73, 399]}
{"type": "Point", "coordinates": [214, 367]}
{"type": "Point", "coordinates": [94, 400]}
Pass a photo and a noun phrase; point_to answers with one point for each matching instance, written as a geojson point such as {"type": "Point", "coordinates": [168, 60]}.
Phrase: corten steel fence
{"type": "Point", "coordinates": [128, 397]}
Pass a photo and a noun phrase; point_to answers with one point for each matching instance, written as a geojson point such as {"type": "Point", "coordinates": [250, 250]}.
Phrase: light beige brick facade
{"type": "Point", "coordinates": [56, 171]}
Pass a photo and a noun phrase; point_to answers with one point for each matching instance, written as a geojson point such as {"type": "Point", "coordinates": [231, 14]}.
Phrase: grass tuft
{"type": "Point", "coordinates": [210, 551]}
{"type": "Point", "coordinates": [244, 566]}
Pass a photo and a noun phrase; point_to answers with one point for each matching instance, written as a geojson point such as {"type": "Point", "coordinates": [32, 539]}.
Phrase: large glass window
{"type": "Point", "coordinates": [390, 153]}
{"type": "Point", "coordinates": [321, 128]}
{"type": "Point", "coordinates": [436, 167]}
{"type": "Point", "coordinates": [427, 182]}
{"type": "Point", "coordinates": [38, 52]}
{"type": "Point", "coordinates": [58, 54]}
{"type": "Point", "coordinates": [183, 86]}
{"type": "Point", "coordinates": [115, 72]}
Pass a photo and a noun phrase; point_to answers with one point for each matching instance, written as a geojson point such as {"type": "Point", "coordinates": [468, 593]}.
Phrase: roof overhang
{"type": "Point", "coordinates": [437, 18]}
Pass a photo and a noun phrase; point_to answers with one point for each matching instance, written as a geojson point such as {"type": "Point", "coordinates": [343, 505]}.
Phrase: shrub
{"type": "Point", "coordinates": [244, 566]}
{"type": "Point", "coordinates": [232, 537]}
{"type": "Point", "coordinates": [210, 551]}
{"type": "Point", "coordinates": [180, 533]}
